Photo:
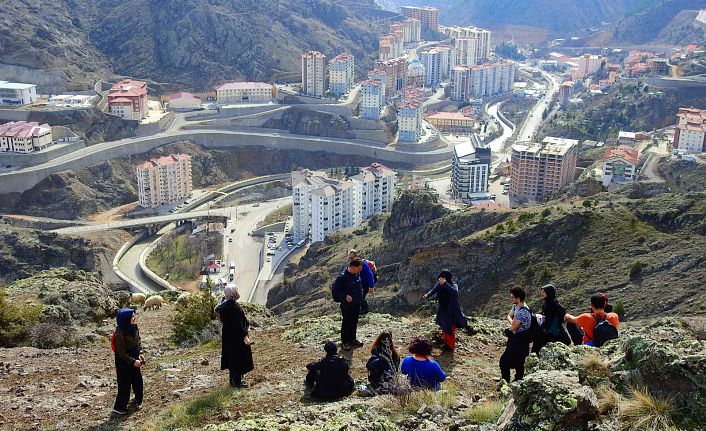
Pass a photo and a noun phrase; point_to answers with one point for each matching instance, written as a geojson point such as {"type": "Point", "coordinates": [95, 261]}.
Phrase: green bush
{"type": "Point", "coordinates": [587, 203]}
{"type": "Point", "coordinates": [636, 269]}
{"type": "Point", "coordinates": [586, 262]}
{"type": "Point", "coordinates": [190, 321]}
{"type": "Point", "coordinates": [546, 212]}
{"type": "Point", "coordinates": [619, 309]}
{"type": "Point", "coordinates": [16, 321]}
{"type": "Point", "coordinates": [529, 271]}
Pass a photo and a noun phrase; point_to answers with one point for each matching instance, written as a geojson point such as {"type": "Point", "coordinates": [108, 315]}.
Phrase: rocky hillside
{"type": "Point", "coordinates": [630, 244]}
{"type": "Point", "coordinates": [194, 43]}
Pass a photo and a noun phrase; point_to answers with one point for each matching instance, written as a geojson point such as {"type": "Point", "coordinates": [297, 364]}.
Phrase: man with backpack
{"type": "Point", "coordinates": [598, 326]}
{"type": "Point", "coordinates": [518, 336]}
{"type": "Point", "coordinates": [368, 277]}
{"type": "Point", "coordinates": [348, 291]}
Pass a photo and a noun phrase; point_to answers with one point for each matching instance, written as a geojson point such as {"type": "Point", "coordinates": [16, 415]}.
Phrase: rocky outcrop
{"type": "Point", "coordinates": [411, 210]}
{"type": "Point", "coordinates": [302, 121]}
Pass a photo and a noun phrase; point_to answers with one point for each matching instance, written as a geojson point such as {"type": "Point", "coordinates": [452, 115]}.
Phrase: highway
{"type": "Point", "coordinates": [499, 150]}
{"type": "Point", "coordinates": [534, 118]}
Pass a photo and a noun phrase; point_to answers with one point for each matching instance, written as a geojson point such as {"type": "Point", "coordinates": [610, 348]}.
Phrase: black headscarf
{"type": "Point", "coordinates": [551, 306]}
{"type": "Point", "coordinates": [446, 274]}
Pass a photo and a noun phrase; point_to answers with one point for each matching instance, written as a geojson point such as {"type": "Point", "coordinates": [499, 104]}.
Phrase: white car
{"type": "Point", "coordinates": [269, 259]}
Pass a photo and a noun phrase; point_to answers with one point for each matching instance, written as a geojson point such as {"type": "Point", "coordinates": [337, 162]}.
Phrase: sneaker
{"type": "Point", "coordinates": [137, 406]}
{"type": "Point", "coordinates": [346, 346]}
{"type": "Point", "coordinates": [119, 412]}
{"type": "Point", "coordinates": [356, 343]}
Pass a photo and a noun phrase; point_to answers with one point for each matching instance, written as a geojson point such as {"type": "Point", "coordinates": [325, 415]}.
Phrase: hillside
{"type": "Point", "coordinates": [193, 43]}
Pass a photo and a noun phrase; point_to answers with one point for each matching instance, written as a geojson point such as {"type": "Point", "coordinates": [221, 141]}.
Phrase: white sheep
{"type": "Point", "coordinates": [137, 298]}
{"type": "Point", "coordinates": [183, 300]}
{"type": "Point", "coordinates": [153, 303]}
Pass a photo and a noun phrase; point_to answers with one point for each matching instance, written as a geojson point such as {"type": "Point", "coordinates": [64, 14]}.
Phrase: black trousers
{"type": "Point", "coordinates": [235, 378]}
{"type": "Point", "coordinates": [576, 333]}
{"type": "Point", "coordinates": [542, 338]}
{"type": "Point", "coordinates": [128, 377]}
{"type": "Point", "coordinates": [349, 325]}
{"type": "Point", "coordinates": [516, 352]}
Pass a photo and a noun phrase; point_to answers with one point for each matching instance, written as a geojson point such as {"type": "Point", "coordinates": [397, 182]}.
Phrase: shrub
{"type": "Point", "coordinates": [608, 400]}
{"type": "Point", "coordinates": [15, 321]}
{"type": "Point", "coordinates": [592, 365]}
{"type": "Point", "coordinates": [525, 216]}
{"type": "Point", "coordinates": [546, 212]}
{"type": "Point", "coordinates": [619, 309]}
{"type": "Point", "coordinates": [635, 269]}
{"type": "Point", "coordinates": [189, 322]}
{"type": "Point", "coordinates": [546, 273]}
{"type": "Point", "coordinates": [47, 335]}
{"type": "Point", "coordinates": [586, 262]}
{"type": "Point", "coordinates": [529, 271]}
{"type": "Point", "coordinates": [644, 411]}
{"type": "Point", "coordinates": [487, 412]}
{"type": "Point", "coordinates": [587, 203]}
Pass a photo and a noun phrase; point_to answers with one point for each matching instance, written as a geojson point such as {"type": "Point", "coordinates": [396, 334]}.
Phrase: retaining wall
{"type": "Point", "coordinates": [39, 157]}
{"type": "Point", "coordinates": [134, 287]}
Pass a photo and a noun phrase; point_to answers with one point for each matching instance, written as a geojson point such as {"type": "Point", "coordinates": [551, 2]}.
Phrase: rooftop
{"type": "Point", "coordinates": [15, 86]}
{"type": "Point", "coordinates": [243, 86]}
{"type": "Point", "coordinates": [621, 152]}
{"type": "Point", "coordinates": [182, 95]}
{"type": "Point", "coordinates": [23, 129]}
{"type": "Point", "coordinates": [163, 161]}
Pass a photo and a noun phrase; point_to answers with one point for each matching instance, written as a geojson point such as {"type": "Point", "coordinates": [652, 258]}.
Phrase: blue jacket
{"type": "Point", "coordinates": [347, 284]}
{"type": "Point", "coordinates": [366, 275]}
{"type": "Point", "coordinates": [448, 308]}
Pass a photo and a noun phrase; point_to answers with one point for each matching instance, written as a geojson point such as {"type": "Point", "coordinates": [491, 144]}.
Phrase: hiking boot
{"type": "Point", "coordinates": [356, 343]}
{"type": "Point", "coordinates": [346, 346]}
{"type": "Point", "coordinates": [119, 412]}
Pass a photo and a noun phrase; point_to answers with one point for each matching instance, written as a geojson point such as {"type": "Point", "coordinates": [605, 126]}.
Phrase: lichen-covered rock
{"type": "Point", "coordinates": [549, 401]}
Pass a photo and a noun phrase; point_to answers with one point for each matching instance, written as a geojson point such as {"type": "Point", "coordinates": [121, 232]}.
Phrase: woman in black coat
{"type": "Point", "coordinates": [449, 315]}
{"type": "Point", "coordinates": [552, 329]}
{"type": "Point", "coordinates": [236, 355]}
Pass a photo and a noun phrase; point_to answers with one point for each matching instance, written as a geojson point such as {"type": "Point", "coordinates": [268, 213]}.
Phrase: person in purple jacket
{"type": "Point", "coordinates": [423, 372]}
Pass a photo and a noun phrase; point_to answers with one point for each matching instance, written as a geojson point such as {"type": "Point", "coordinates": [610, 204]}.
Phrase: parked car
{"type": "Point", "coordinates": [256, 205]}
{"type": "Point", "coordinates": [270, 253]}
{"type": "Point", "coordinates": [230, 239]}
{"type": "Point", "coordinates": [269, 259]}
{"type": "Point", "coordinates": [232, 230]}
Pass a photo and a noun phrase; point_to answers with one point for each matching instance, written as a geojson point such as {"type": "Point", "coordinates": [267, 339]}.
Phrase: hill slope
{"type": "Point", "coordinates": [191, 42]}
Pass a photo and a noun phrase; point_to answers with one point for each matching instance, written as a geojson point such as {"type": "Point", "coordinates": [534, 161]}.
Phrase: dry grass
{"type": "Point", "coordinates": [486, 412]}
{"type": "Point", "coordinates": [608, 400]}
{"type": "Point", "coordinates": [644, 411]}
{"type": "Point", "coordinates": [410, 402]}
{"type": "Point", "coordinates": [593, 365]}
{"type": "Point", "coordinates": [192, 413]}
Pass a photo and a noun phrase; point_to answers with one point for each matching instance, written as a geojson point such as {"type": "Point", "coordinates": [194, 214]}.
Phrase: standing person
{"type": "Point", "coordinates": [367, 279]}
{"type": "Point", "coordinates": [384, 361]}
{"type": "Point", "coordinates": [423, 372]}
{"type": "Point", "coordinates": [236, 353]}
{"type": "Point", "coordinates": [348, 291]}
{"type": "Point", "coordinates": [552, 327]}
{"type": "Point", "coordinates": [517, 347]}
{"type": "Point", "coordinates": [449, 315]}
{"type": "Point", "coordinates": [598, 326]}
{"type": "Point", "coordinates": [128, 360]}
{"type": "Point", "coordinates": [329, 377]}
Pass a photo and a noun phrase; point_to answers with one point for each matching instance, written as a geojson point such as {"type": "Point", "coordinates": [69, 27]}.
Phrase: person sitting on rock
{"type": "Point", "coordinates": [329, 377]}
{"type": "Point", "coordinates": [552, 326]}
{"type": "Point", "coordinates": [594, 322]}
{"type": "Point", "coordinates": [383, 364]}
{"type": "Point", "coordinates": [423, 372]}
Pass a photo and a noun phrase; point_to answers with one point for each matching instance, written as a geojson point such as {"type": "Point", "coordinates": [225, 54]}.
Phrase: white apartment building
{"type": "Point", "coordinates": [24, 137]}
{"type": "Point", "coordinates": [245, 92]}
{"type": "Point", "coordinates": [484, 38]}
{"type": "Point", "coordinates": [470, 170]}
{"type": "Point", "coordinates": [588, 64]}
{"type": "Point", "coordinates": [431, 60]}
{"type": "Point", "coordinates": [409, 116]}
{"type": "Point", "coordinates": [314, 74]}
{"type": "Point", "coordinates": [372, 99]}
{"type": "Point", "coordinates": [164, 180]}
{"type": "Point", "coordinates": [466, 51]}
{"type": "Point", "coordinates": [412, 30]}
{"type": "Point", "coordinates": [447, 59]}
{"type": "Point", "coordinates": [690, 131]}
{"type": "Point", "coordinates": [484, 80]}
{"type": "Point", "coordinates": [333, 207]}
{"type": "Point", "coordinates": [376, 187]}
{"type": "Point", "coordinates": [619, 164]}
{"type": "Point", "coordinates": [341, 70]}
{"type": "Point", "coordinates": [17, 94]}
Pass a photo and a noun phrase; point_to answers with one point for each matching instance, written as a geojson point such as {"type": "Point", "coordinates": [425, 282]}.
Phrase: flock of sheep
{"type": "Point", "coordinates": [155, 302]}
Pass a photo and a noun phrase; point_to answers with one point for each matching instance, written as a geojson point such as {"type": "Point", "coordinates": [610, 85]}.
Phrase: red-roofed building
{"type": "Point", "coordinates": [245, 92]}
{"type": "Point", "coordinates": [184, 102]}
{"type": "Point", "coordinates": [619, 164]}
{"type": "Point", "coordinates": [452, 121]}
{"type": "Point", "coordinates": [163, 180]}
{"type": "Point", "coordinates": [128, 99]}
{"type": "Point", "coordinates": [24, 137]}
{"type": "Point", "coordinates": [690, 132]}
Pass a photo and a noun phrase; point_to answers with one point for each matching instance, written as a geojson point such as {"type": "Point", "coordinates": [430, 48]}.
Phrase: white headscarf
{"type": "Point", "coordinates": [231, 291]}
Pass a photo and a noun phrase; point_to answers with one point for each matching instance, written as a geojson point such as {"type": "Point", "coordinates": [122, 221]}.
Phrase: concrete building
{"type": "Point", "coordinates": [470, 170]}
{"type": "Point", "coordinates": [466, 51]}
{"type": "Point", "coordinates": [619, 164]}
{"type": "Point", "coordinates": [333, 207]}
{"type": "Point", "coordinates": [447, 60]}
{"type": "Point", "coordinates": [690, 131]}
{"type": "Point", "coordinates": [627, 138]}
{"type": "Point", "coordinates": [588, 64]}
{"type": "Point", "coordinates": [483, 37]}
{"type": "Point", "coordinates": [395, 73]}
{"type": "Point", "coordinates": [412, 30]}
{"type": "Point", "coordinates": [24, 137]}
{"type": "Point", "coordinates": [245, 92]}
{"type": "Point", "coordinates": [341, 71]}
{"type": "Point", "coordinates": [484, 80]}
{"type": "Point", "coordinates": [372, 99]}
{"type": "Point", "coordinates": [540, 169]}
{"type": "Point", "coordinates": [431, 60]}
{"type": "Point", "coordinates": [314, 74]}
{"type": "Point", "coordinates": [409, 116]}
{"type": "Point", "coordinates": [164, 180]}
{"type": "Point", "coordinates": [452, 121]}
{"type": "Point", "coordinates": [375, 188]}
{"type": "Point", "coordinates": [183, 101]}
{"type": "Point", "coordinates": [128, 99]}
{"type": "Point", "coordinates": [566, 91]}
{"type": "Point", "coordinates": [380, 75]}
{"type": "Point", "coordinates": [427, 15]}
{"type": "Point", "coordinates": [391, 45]}
{"type": "Point", "coordinates": [415, 74]}
{"type": "Point", "coordinates": [17, 94]}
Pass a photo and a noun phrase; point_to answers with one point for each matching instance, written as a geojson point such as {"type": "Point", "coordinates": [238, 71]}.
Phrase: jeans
{"type": "Point", "coordinates": [349, 325]}
{"type": "Point", "coordinates": [128, 377]}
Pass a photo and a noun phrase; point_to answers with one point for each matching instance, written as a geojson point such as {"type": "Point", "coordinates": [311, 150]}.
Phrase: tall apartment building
{"type": "Point", "coordinates": [409, 116]}
{"type": "Point", "coordinates": [466, 51]}
{"type": "Point", "coordinates": [412, 30]}
{"type": "Point", "coordinates": [431, 60]}
{"type": "Point", "coordinates": [314, 74]}
{"type": "Point", "coordinates": [128, 99]}
{"type": "Point", "coordinates": [427, 15]}
{"type": "Point", "coordinates": [341, 72]}
{"type": "Point", "coordinates": [380, 75]}
{"type": "Point", "coordinates": [415, 74]}
{"type": "Point", "coordinates": [372, 99]}
{"type": "Point", "coordinates": [323, 205]}
{"type": "Point", "coordinates": [447, 59]}
{"type": "Point", "coordinates": [470, 170]}
{"type": "Point", "coordinates": [391, 45]}
{"type": "Point", "coordinates": [484, 80]}
{"type": "Point", "coordinates": [690, 132]}
{"type": "Point", "coordinates": [396, 74]}
{"type": "Point", "coordinates": [619, 164]}
{"type": "Point", "coordinates": [164, 180]}
{"type": "Point", "coordinates": [17, 94]}
{"type": "Point", "coordinates": [483, 37]}
{"type": "Point", "coordinates": [245, 92]}
{"type": "Point", "coordinates": [540, 169]}
{"type": "Point", "coordinates": [588, 64]}
{"type": "Point", "coordinates": [375, 186]}
{"type": "Point", "coordinates": [24, 137]}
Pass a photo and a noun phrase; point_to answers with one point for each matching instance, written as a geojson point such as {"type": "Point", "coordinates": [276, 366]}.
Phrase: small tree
{"type": "Point", "coordinates": [636, 269]}
{"type": "Point", "coordinates": [188, 322]}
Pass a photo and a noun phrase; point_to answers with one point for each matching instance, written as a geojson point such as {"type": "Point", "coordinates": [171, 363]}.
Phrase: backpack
{"type": "Point", "coordinates": [112, 340]}
{"type": "Point", "coordinates": [374, 269]}
{"type": "Point", "coordinates": [603, 331]}
{"type": "Point", "coordinates": [535, 329]}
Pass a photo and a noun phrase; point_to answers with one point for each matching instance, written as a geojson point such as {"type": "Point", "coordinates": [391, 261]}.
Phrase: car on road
{"type": "Point", "coordinates": [269, 259]}
{"type": "Point", "coordinates": [232, 230]}
{"type": "Point", "coordinates": [230, 239]}
{"type": "Point", "coordinates": [279, 248]}
{"type": "Point", "coordinates": [493, 196]}
{"type": "Point", "coordinates": [290, 245]}
{"type": "Point", "coordinates": [505, 192]}
{"type": "Point", "coordinates": [256, 204]}
{"type": "Point", "coordinates": [270, 253]}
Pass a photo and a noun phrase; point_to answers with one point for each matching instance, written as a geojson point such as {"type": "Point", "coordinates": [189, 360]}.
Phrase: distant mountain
{"type": "Point", "coordinates": [195, 43]}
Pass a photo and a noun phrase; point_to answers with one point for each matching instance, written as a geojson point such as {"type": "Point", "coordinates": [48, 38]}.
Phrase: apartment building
{"type": "Point", "coordinates": [24, 137]}
{"type": "Point", "coordinates": [485, 80]}
{"type": "Point", "coordinates": [690, 131]}
{"type": "Point", "coordinates": [540, 169]}
{"type": "Point", "coordinates": [412, 30]}
{"type": "Point", "coordinates": [619, 164]}
{"type": "Point", "coordinates": [333, 207]}
{"type": "Point", "coordinates": [314, 74]}
{"type": "Point", "coordinates": [447, 59]}
{"type": "Point", "coordinates": [375, 186]}
{"type": "Point", "coordinates": [395, 73]}
{"type": "Point", "coordinates": [303, 183]}
{"type": "Point", "coordinates": [409, 116]}
{"type": "Point", "coordinates": [341, 71]}
{"type": "Point", "coordinates": [372, 99]}
{"type": "Point", "coordinates": [164, 180]}
{"type": "Point", "coordinates": [415, 74]}
{"type": "Point", "coordinates": [128, 99]}
{"type": "Point", "coordinates": [380, 75]}
{"type": "Point", "coordinates": [428, 16]}
{"type": "Point", "coordinates": [470, 170]}
{"type": "Point", "coordinates": [483, 37]}
{"type": "Point", "coordinates": [587, 65]}
{"type": "Point", "coordinates": [245, 92]}
{"type": "Point", "coordinates": [466, 51]}
{"type": "Point", "coordinates": [391, 45]}
{"type": "Point", "coordinates": [431, 60]}
{"type": "Point", "coordinates": [17, 94]}
{"type": "Point", "coordinates": [566, 91]}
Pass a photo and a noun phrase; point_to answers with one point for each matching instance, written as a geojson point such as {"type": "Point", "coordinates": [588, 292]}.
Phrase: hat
{"type": "Point", "coordinates": [330, 347]}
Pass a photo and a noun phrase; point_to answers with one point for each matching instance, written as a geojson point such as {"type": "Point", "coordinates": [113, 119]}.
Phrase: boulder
{"type": "Point", "coordinates": [549, 401]}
